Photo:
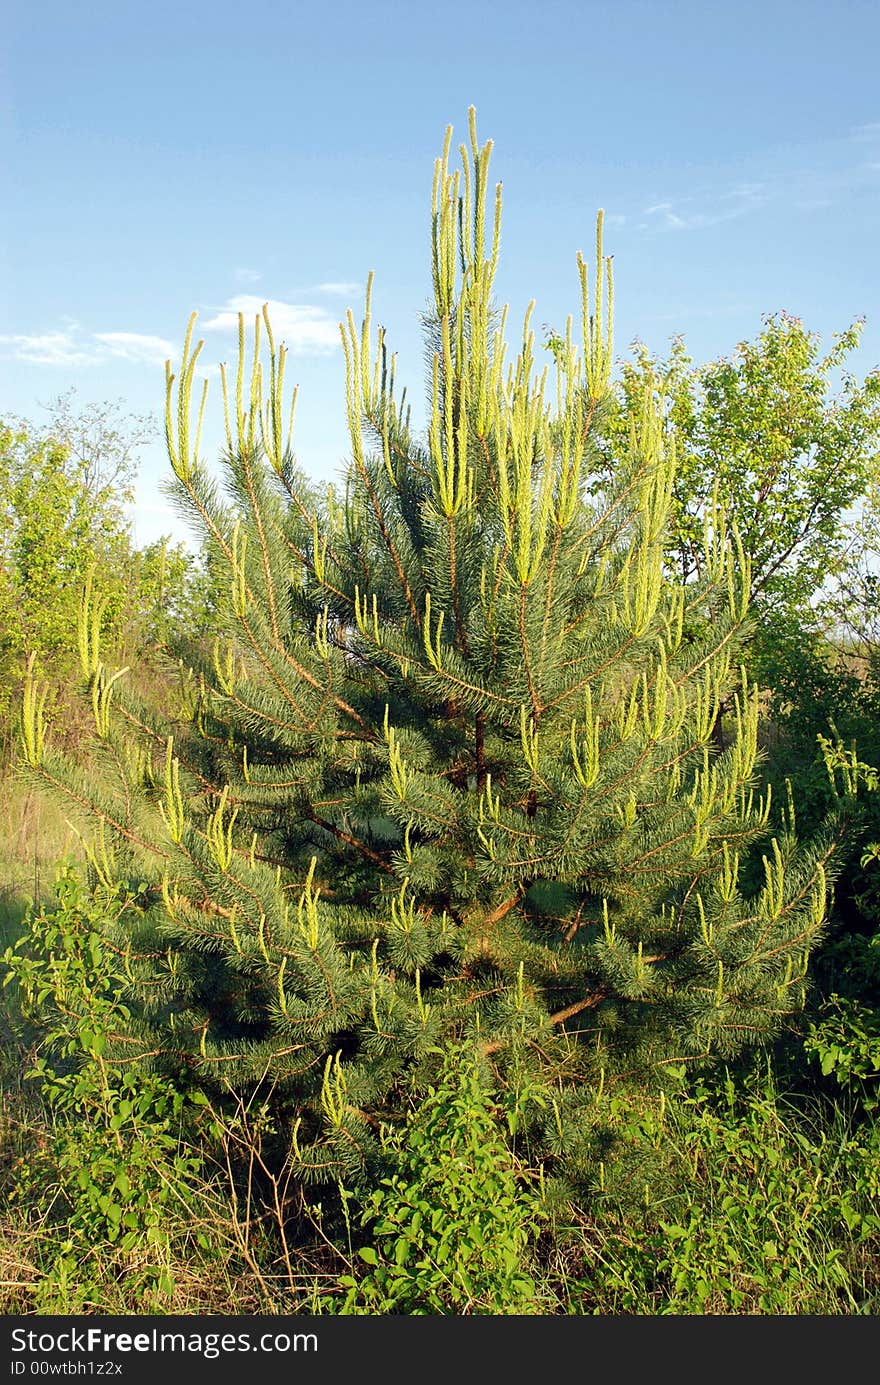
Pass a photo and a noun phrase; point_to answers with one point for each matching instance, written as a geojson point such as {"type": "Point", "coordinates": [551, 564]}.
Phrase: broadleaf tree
{"type": "Point", "coordinates": [449, 772]}
{"type": "Point", "coordinates": [57, 519]}
{"type": "Point", "coordinates": [64, 489]}
{"type": "Point", "coordinates": [782, 434]}
{"type": "Point", "coordinates": [53, 527]}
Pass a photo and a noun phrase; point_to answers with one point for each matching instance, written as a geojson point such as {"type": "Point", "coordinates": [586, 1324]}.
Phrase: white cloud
{"type": "Point", "coordinates": [723, 206]}
{"type": "Point", "coordinates": [341, 288]}
{"type": "Point", "coordinates": [135, 346]}
{"type": "Point", "coordinates": [668, 219]}
{"type": "Point", "coordinates": [800, 179]}
{"type": "Point", "coordinates": [47, 348]}
{"type": "Point", "coordinates": [71, 346]}
{"type": "Point", "coordinates": [247, 276]}
{"type": "Point", "coordinates": [744, 192]}
{"type": "Point", "coordinates": [304, 329]}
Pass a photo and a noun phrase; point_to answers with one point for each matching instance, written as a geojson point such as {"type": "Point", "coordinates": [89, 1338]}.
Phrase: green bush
{"type": "Point", "coordinates": [452, 1225]}
{"type": "Point", "coordinates": [846, 1041]}
{"type": "Point", "coordinates": [111, 1165]}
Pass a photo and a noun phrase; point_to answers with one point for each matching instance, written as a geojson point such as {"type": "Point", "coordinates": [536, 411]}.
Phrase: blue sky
{"type": "Point", "coordinates": [168, 157]}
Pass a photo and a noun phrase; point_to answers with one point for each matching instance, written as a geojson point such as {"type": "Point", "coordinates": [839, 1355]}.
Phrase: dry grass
{"type": "Point", "coordinates": [34, 839]}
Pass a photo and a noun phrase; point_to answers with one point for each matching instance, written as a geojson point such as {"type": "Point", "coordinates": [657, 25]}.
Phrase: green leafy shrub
{"type": "Point", "coordinates": [111, 1164]}
{"type": "Point", "coordinates": [823, 710]}
{"type": "Point", "coordinates": [451, 1226]}
{"type": "Point", "coordinates": [843, 1034]}
{"type": "Point", "coordinates": [846, 1041]}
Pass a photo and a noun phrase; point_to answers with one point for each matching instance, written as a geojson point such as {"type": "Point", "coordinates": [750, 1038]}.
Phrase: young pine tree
{"type": "Point", "coordinates": [451, 771]}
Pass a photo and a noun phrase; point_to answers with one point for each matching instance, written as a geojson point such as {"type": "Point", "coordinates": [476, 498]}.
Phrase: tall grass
{"type": "Point", "coordinates": [34, 839]}
{"type": "Point", "coordinates": [771, 1205]}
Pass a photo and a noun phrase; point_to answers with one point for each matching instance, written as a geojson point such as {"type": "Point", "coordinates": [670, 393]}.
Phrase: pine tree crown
{"type": "Point", "coordinates": [464, 758]}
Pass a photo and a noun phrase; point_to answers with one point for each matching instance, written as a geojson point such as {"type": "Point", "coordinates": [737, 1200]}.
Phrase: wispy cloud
{"type": "Point", "coordinates": [743, 193]}
{"type": "Point", "coordinates": [667, 219]}
{"type": "Point", "coordinates": [341, 288]}
{"type": "Point", "coordinates": [724, 205]}
{"type": "Point", "coordinates": [47, 348]}
{"type": "Point", "coordinates": [800, 179]}
{"type": "Point", "coordinates": [248, 276]}
{"type": "Point", "coordinates": [135, 346]}
{"type": "Point", "coordinates": [304, 329]}
{"type": "Point", "coordinates": [71, 346]}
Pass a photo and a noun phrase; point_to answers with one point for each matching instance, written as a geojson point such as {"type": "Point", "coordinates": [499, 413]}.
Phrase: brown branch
{"type": "Point", "coordinates": [350, 841]}
{"type": "Point", "coordinates": [480, 749]}
{"type": "Point", "coordinates": [586, 1004]}
{"type": "Point", "coordinates": [561, 1015]}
